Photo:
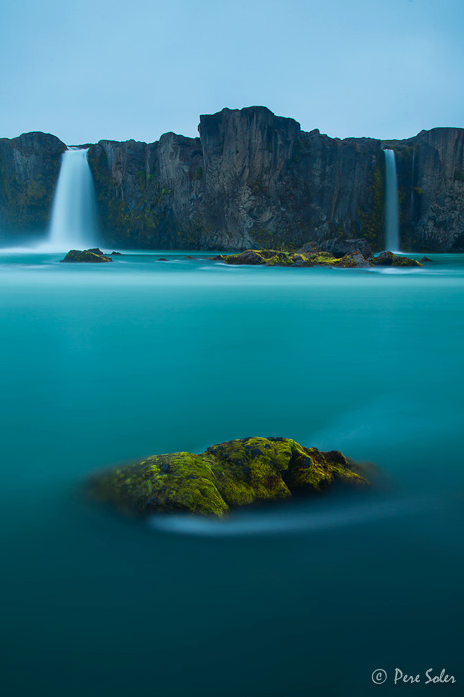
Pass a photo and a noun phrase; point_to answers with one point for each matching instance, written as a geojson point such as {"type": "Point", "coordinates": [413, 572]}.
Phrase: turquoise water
{"type": "Point", "coordinates": [101, 364]}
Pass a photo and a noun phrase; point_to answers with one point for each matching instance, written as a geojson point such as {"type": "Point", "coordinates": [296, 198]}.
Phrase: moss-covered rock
{"type": "Point", "coordinates": [353, 261]}
{"type": "Point", "coordinates": [265, 257]}
{"type": "Point", "coordinates": [93, 256]}
{"type": "Point", "coordinates": [228, 475]}
{"type": "Point", "coordinates": [312, 257]}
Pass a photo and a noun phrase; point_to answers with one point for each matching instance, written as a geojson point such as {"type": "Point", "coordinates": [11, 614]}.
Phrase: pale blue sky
{"type": "Point", "coordinates": [109, 69]}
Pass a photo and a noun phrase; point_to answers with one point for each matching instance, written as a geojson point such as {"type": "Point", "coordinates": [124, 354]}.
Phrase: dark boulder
{"type": "Point", "coordinates": [391, 259]}
{"type": "Point", "coordinates": [93, 256]}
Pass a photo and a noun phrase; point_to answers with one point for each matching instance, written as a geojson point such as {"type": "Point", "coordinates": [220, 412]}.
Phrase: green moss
{"type": "Point", "coordinates": [322, 258]}
{"type": "Point", "coordinates": [228, 475]}
{"type": "Point", "coordinates": [198, 174]}
{"type": "Point", "coordinates": [273, 257]}
{"type": "Point", "coordinates": [163, 483]}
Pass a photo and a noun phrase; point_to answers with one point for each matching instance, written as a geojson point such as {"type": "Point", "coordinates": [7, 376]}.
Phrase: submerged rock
{"type": "Point", "coordinates": [391, 259]}
{"type": "Point", "coordinates": [225, 476]}
{"type": "Point", "coordinates": [87, 255]}
{"type": "Point", "coordinates": [426, 259]}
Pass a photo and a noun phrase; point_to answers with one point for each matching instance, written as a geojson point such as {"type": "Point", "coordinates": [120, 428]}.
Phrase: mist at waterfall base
{"type": "Point", "coordinates": [392, 225]}
{"type": "Point", "coordinates": [102, 364]}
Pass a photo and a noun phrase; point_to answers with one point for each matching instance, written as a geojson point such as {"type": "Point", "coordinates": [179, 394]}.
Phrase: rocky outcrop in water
{"type": "Point", "coordinates": [250, 180]}
{"type": "Point", "coordinates": [225, 476]}
{"type": "Point", "coordinates": [313, 257]}
{"type": "Point", "coordinates": [87, 256]}
{"type": "Point", "coordinates": [391, 259]}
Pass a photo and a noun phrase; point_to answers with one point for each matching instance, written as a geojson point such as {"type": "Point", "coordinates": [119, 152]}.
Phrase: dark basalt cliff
{"type": "Point", "coordinates": [29, 167]}
{"type": "Point", "coordinates": [431, 189]}
{"type": "Point", "coordinates": [251, 179]}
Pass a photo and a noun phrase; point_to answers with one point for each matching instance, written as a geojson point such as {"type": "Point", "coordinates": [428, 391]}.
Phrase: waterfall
{"type": "Point", "coordinates": [412, 185]}
{"type": "Point", "coordinates": [73, 223]}
{"type": "Point", "coordinates": [392, 227]}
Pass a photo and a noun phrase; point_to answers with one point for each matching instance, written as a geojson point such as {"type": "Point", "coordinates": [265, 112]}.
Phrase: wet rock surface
{"type": "Point", "coordinates": [313, 257]}
{"type": "Point", "coordinates": [89, 256]}
{"type": "Point", "coordinates": [391, 259]}
{"type": "Point", "coordinates": [226, 476]}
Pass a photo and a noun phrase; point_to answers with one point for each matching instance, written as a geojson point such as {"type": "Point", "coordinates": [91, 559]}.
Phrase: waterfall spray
{"type": "Point", "coordinates": [73, 223]}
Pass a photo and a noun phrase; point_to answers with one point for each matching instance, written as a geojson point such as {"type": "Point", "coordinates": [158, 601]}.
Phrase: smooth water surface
{"type": "Point", "coordinates": [105, 363]}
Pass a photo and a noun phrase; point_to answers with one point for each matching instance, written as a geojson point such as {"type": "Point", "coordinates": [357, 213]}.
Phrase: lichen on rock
{"type": "Point", "coordinates": [225, 476]}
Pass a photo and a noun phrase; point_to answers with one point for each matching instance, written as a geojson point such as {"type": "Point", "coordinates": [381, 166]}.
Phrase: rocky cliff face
{"type": "Point", "coordinates": [254, 179]}
{"type": "Point", "coordinates": [431, 189]}
{"type": "Point", "coordinates": [29, 167]}
{"type": "Point", "coordinates": [251, 179]}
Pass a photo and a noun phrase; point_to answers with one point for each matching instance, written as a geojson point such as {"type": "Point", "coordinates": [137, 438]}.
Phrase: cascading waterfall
{"type": "Point", "coordinates": [412, 185]}
{"type": "Point", "coordinates": [392, 227]}
{"type": "Point", "coordinates": [73, 224]}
